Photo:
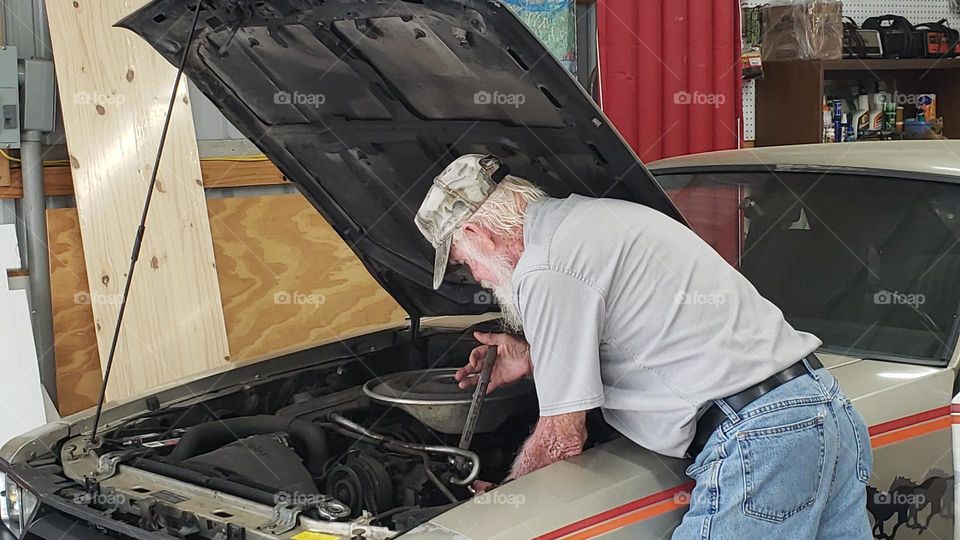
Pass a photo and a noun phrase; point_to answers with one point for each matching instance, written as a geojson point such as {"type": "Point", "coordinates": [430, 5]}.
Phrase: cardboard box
{"type": "Point", "coordinates": [802, 30]}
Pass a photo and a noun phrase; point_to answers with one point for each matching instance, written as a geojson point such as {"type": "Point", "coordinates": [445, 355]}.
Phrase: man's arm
{"type": "Point", "coordinates": [563, 320]}
{"type": "Point", "coordinates": [554, 439]}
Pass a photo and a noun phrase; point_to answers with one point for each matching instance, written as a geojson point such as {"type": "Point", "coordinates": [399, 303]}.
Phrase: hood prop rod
{"type": "Point", "coordinates": [138, 241]}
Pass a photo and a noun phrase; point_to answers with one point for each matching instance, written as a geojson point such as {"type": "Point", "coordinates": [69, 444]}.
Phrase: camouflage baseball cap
{"type": "Point", "coordinates": [455, 196]}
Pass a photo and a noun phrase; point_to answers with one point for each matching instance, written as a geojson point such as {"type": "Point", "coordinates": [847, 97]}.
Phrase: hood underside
{"type": "Point", "coordinates": [362, 103]}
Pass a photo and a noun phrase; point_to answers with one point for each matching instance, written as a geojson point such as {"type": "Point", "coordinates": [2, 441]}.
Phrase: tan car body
{"type": "Point", "coordinates": [619, 489]}
{"type": "Point", "coordinates": [623, 491]}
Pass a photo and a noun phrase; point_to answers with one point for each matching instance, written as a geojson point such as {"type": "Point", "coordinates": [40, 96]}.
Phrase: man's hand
{"type": "Point", "coordinates": [480, 487]}
{"type": "Point", "coordinates": [512, 364]}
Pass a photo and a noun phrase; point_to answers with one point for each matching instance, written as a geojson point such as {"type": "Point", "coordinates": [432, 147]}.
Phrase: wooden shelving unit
{"type": "Point", "coordinates": [790, 96]}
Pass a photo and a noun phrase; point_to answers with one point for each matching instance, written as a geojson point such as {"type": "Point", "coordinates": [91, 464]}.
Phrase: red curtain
{"type": "Point", "coordinates": [670, 74]}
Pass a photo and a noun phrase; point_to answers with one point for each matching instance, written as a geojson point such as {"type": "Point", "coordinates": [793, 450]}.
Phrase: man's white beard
{"type": "Point", "coordinates": [508, 307]}
{"type": "Point", "coordinates": [502, 288]}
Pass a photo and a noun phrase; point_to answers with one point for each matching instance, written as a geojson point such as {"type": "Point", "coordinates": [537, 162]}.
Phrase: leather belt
{"type": "Point", "coordinates": [714, 416]}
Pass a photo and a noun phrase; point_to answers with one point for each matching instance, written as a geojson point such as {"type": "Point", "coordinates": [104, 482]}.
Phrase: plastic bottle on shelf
{"type": "Point", "coordinates": [889, 117]}
{"type": "Point", "coordinates": [838, 120]}
{"type": "Point", "coordinates": [861, 118]}
{"type": "Point", "coordinates": [827, 122]}
{"type": "Point", "coordinates": [878, 110]}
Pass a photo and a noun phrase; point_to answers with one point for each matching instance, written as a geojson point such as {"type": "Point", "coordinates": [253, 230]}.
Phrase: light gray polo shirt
{"type": "Point", "coordinates": [628, 310]}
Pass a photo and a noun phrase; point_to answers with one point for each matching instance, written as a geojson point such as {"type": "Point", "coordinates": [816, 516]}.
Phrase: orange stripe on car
{"type": "Point", "coordinates": [910, 432]}
{"type": "Point", "coordinates": [631, 508]}
{"type": "Point", "coordinates": [883, 434]}
{"type": "Point", "coordinates": [627, 519]}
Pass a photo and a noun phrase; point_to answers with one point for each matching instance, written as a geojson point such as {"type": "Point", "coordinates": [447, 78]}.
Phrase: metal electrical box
{"type": "Point", "coordinates": [9, 98]}
{"type": "Point", "coordinates": [39, 95]}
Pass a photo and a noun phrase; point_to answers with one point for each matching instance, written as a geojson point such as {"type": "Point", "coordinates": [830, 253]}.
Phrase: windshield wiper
{"type": "Point", "coordinates": [138, 241]}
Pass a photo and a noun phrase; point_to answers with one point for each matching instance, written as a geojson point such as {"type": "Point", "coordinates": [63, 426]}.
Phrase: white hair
{"type": "Point", "coordinates": [502, 214]}
{"type": "Point", "coordinates": [501, 287]}
{"type": "Point", "coordinates": [504, 209]}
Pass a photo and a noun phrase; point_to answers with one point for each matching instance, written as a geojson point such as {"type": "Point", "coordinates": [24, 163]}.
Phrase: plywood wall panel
{"type": "Point", "coordinates": [226, 174]}
{"type": "Point", "coordinates": [114, 89]}
{"type": "Point", "coordinates": [75, 335]}
{"type": "Point", "coordinates": [287, 280]}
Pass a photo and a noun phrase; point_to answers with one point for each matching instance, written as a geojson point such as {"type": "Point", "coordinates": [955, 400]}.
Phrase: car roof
{"type": "Point", "coordinates": [919, 158]}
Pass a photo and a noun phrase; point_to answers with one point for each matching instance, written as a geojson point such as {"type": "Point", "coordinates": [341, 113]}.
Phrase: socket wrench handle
{"type": "Point", "coordinates": [478, 394]}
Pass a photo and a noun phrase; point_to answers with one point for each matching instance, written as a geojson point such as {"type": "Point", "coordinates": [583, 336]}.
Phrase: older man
{"type": "Point", "coordinates": [609, 297]}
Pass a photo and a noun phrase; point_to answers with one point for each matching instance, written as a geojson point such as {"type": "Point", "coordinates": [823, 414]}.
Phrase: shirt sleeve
{"type": "Point", "coordinates": [563, 321]}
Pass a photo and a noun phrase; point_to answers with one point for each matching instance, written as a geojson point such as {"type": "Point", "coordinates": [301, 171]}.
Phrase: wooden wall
{"type": "Point", "coordinates": [74, 332]}
{"type": "Point", "coordinates": [235, 280]}
{"type": "Point", "coordinates": [287, 282]}
{"type": "Point", "coordinates": [114, 89]}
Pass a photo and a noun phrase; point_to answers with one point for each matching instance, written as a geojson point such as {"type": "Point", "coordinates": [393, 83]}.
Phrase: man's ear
{"type": "Point", "coordinates": [480, 236]}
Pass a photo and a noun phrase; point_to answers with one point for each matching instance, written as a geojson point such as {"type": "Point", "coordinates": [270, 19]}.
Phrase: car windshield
{"type": "Point", "coordinates": [869, 264]}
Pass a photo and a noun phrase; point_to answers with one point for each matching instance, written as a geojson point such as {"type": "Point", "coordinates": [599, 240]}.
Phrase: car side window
{"type": "Point", "coordinates": [867, 263]}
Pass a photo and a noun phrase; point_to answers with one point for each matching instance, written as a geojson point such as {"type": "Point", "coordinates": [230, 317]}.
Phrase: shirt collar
{"type": "Point", "coordinates": [530, 220]}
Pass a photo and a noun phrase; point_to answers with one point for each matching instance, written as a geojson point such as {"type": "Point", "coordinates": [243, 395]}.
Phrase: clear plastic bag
{"type": "Point", "coordinates": [802, 30]}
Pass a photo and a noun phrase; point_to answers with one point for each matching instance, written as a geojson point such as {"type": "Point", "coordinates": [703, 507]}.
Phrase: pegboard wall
{"type": "Point", "coordinates": [916, 11]}
{"type": "Point", "coordinates": [749, 109]}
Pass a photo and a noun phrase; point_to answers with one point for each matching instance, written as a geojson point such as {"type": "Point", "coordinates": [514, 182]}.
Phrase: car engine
{"type": "Point", "coordinates": [314, 445]}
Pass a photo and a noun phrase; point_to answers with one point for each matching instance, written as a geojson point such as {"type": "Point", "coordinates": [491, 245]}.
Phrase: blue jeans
{"type": "Point", "coordinates": [792, 464]}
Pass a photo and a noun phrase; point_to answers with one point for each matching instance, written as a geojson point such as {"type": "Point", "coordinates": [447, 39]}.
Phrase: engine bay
{"type": "Point", "coordinates": [311, 447]}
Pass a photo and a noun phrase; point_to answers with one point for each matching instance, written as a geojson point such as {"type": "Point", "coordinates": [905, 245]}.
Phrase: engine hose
{"type": "Point", "coordinates": [209, 436]}
{"type": "Point", "coordinates": [426, 468]}
{"type": "Point", "coordinates": [449, 450]}
{"type": "Point", "coordinates": [230, 487]}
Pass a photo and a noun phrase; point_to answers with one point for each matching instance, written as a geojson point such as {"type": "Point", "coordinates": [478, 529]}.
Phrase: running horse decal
{"type": "Point", "coordinates": [907, 500]}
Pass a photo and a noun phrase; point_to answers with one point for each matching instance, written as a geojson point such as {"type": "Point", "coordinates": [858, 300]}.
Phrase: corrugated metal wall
{"type": "Point", "coordinates": [208, 121]}
{"type": "Point", "coordinates": [670, 74]}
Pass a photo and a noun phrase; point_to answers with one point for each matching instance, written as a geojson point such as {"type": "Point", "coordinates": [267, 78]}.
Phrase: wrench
{"type": "Point", "coordinates": [478, 394]}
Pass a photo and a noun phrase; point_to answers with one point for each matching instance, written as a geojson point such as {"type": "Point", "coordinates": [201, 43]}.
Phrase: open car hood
{"type": "Point", "coordinates": [361, 103]}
